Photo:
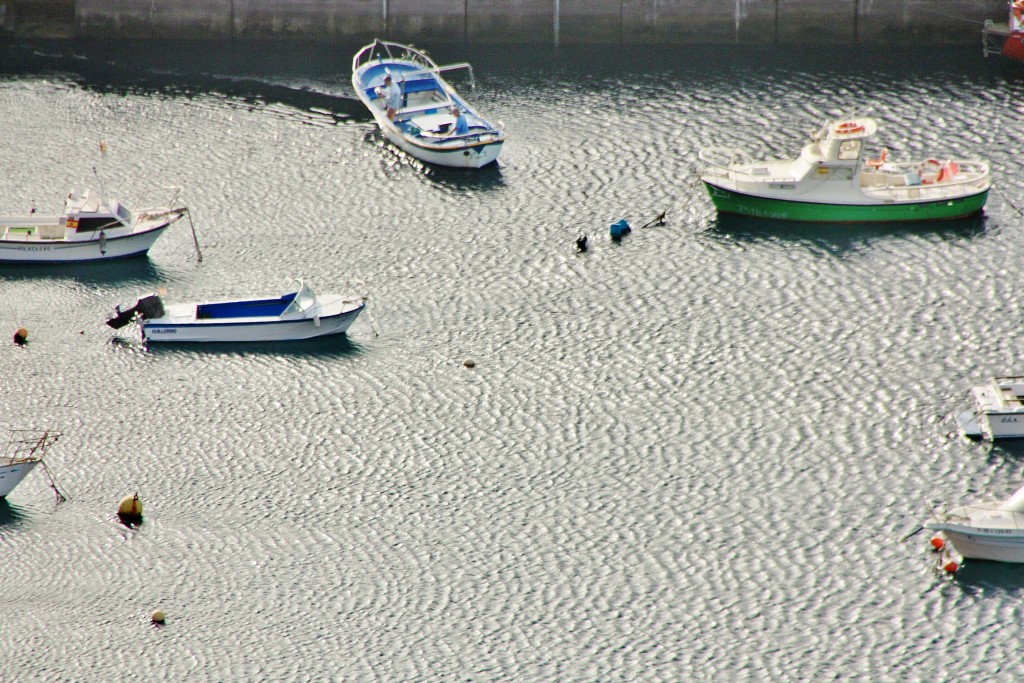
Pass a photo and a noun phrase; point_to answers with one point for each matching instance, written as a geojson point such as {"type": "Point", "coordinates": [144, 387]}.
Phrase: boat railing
{"type": "Point", "coordinates": [438, 70]}
{"type": "Point", "coordinates": [171, 196]}
{"type": "Point", "coordinates": [732, 163]}
{"type": "Point", "coordinates": [993, 36]}
{"type": "Point", "coordinates": [976, 178]}
{"type": "Point", "coordinates": [379, 48]}
{"type": "Point", "coordinates": [725, 157]}
{"type": "Point", "coordinates": [28, 445]}
{"type": "Point", "coordinates": [1015, 520]}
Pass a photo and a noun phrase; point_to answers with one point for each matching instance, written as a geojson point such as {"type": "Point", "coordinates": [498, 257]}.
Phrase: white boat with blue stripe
{"type": "Point", "coordinates": [298, 314]}
{"type": "Point", "coordinates": [424, 115]}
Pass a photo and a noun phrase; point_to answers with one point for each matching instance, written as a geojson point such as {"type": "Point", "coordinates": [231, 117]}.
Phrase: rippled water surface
{"type": "Point", "coordinates": [693, 455]}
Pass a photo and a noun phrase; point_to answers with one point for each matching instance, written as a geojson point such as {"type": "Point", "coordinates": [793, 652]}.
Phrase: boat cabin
{"type": "Point", "coordinates": [836, 150]}
{"type": "Point", "coordinates": [88, 213]}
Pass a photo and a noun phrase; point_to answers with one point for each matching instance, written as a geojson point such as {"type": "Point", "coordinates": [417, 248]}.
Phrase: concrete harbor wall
{"type": "Point", "coordinates": [482, 22]}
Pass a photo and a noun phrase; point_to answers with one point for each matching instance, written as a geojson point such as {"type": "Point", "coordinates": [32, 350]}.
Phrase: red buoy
{"type": "Point", "coordinates": [937, 542]}
{"type": "Point", "coordinates": [951, 566]}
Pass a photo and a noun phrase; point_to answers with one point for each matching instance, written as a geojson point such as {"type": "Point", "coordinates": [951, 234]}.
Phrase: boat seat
{"type": "Point", "coordinates": [868, 178]}
{"type": "Point", "coordinates": [51, 232]}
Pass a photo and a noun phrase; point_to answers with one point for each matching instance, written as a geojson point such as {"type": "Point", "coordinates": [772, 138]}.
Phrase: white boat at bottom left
{"type": "Point", "coordinates": [298, 314]}
{"type": "Point", "coordinates": [25, 449]}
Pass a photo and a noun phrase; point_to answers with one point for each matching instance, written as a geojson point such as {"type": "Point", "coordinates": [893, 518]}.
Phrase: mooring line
{"type": "Point", "coordinates": [1007, 200]}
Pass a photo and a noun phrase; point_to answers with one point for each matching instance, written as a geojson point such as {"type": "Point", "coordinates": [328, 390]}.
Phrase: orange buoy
{"type": "Point", "coordinates": [130, 509]}
{"type": "Point", "coordinates": [937, 543]}
{"type": "Point", "coordinates": [20, 336]}
{"type": "Point", "coordinates": [951, 566]}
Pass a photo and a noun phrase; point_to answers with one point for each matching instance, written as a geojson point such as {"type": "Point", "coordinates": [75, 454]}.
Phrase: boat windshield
{"type": "Point", "coordinates": [124, 214]}
{"type": "Point", "coordinates": [304, 300]}
{"type": "Point", "coordinates": [849, 150]}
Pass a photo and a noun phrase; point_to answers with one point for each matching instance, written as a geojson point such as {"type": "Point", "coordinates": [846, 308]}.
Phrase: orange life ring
{"type": "Point", "coordinates": [847, 127]}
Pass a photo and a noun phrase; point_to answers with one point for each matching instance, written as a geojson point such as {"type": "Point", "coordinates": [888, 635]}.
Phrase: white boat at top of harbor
{"type": "Point", "coordinates": [298, 314]}
{"type": "Point", "coordinates": [25, 449]}
{"type": "Point", "coordinates": [91, 227]}
{"type": "Point", "coordinates": [998, 409]}
{"type": "Point", "coordinates": [430, 120]}
{"type": "Point", "coordinates": [833, 180]}
{"type": "Point", "coordinates": [985, 530]}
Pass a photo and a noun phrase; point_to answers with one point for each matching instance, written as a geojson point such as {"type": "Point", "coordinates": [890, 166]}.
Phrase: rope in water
{"type": "Point", "coordinates": [1007, 200]}
{"type": "Point", "coordinates": [53, 483]}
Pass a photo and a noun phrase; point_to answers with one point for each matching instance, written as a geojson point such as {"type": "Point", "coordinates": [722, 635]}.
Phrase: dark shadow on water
{"type": "Point", "coordinates": [839, 238]}
{"type": "Point", "coordinates": [485, 179]}
{"type": "Point", "coordinates": [126, 270]}
{"type": "Point", "coordinates": [458, 179]}
{"type": "Point", "coordinates": [289, 74]}
{"type": "Point", "coordinates": [10, 515]}
{"type": "Point", "coordinates": [315, 77]}
{"type": "Point", "coordinates": [334, 346]}
{"type": "Point", "coordinates": [981, 577]}
{"type": "Point", "coordinates": [1007, 450]}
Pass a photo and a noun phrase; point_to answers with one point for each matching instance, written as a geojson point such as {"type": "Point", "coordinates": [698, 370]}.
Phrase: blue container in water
{"type": "Point", "coordinates": [619, 228]}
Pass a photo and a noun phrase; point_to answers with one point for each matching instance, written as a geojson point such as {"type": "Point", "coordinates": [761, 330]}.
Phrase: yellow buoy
{"type": "Point", "coordinates": [130, 509]}
{"type": "Point", "coordinates": [158, 616]}
{"type": "Point", "coordinates": [20, 335]}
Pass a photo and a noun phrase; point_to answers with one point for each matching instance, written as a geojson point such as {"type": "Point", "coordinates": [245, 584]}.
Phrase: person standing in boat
{"type": "Point", "coordinates": [461, 125]}
{"type": "Point", "coordinates": [392, 95]}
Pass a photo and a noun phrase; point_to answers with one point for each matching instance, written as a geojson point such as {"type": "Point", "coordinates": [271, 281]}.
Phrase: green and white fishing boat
{"type": "Point", "coordinates": [832, 181]}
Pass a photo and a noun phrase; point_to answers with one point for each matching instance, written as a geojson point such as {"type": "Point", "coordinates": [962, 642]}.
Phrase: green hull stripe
{"type": "Point", "coordinates": [727, 201]}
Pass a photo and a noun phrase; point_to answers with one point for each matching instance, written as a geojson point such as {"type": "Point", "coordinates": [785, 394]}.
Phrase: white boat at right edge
{"type": "Point", "coordinates": [998, 410]}
{"type": "Point", "coordinates": [985, 530]}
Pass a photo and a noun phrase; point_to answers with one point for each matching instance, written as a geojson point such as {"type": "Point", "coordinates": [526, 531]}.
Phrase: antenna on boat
{"type": "Point", "coordinates": [866, 107]}
{"type": "Point", "coordinates": [103, 157]}
{"type": "Point", "coordinates": [103, 194]}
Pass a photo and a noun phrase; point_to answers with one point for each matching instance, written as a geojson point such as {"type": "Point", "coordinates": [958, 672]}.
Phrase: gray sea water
{"type": "Point", "coordinates": [690, 456]}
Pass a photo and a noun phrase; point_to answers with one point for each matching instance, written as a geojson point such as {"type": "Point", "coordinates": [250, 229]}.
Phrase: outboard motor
{"type": "Point", "coordinates": [148, 307]}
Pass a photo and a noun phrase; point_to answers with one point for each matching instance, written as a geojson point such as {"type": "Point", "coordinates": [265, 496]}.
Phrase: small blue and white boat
{"type": "Point", "coordinates": [298, 314]}
{"type": "Point", "coordinates": [430, 120]}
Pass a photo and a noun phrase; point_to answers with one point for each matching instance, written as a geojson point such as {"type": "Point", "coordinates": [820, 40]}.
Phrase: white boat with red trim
{"type": "Point", "coordinates": [1005, 38]}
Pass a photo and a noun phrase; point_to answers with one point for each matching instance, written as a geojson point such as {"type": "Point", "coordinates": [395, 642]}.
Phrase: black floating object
{"type": "Point", "coordinates": [581, 243]}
